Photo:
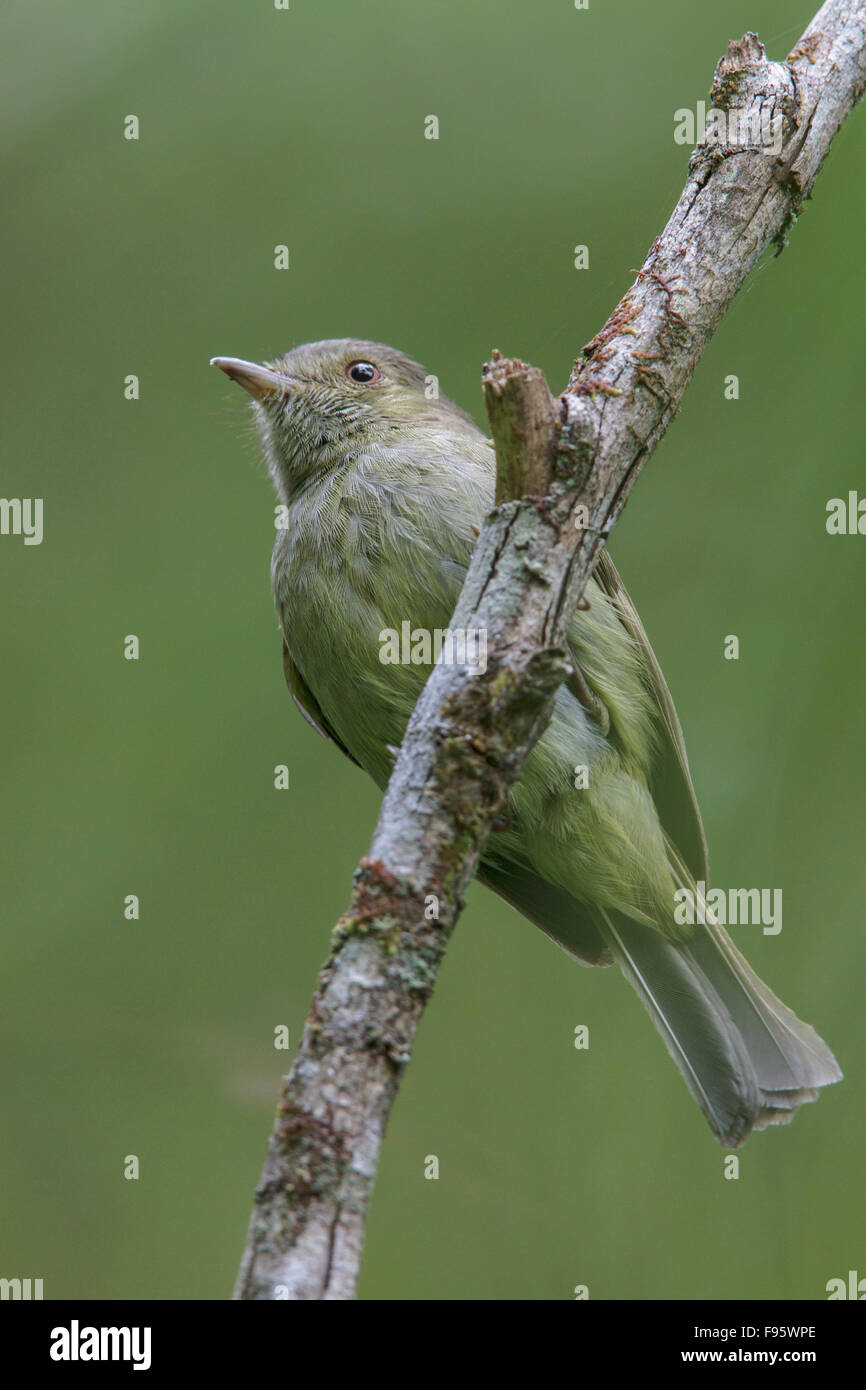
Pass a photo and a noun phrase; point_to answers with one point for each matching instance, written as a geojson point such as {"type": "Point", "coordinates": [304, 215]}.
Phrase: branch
{"type": "Point", "coordinates": [565, 468]}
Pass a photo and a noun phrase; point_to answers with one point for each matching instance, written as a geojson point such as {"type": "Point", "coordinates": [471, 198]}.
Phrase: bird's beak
{"type": "Point", "coordinates": [261, 382]}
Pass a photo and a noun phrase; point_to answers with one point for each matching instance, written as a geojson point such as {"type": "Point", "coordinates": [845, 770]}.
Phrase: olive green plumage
{"type": "Point", "coordinates": [382, 488]}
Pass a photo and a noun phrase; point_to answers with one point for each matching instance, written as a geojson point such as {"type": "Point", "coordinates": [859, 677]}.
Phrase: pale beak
{"type": "Point", "coordinates": [261, 382]}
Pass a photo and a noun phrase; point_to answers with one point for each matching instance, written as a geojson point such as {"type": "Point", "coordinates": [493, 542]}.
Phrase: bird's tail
{"type": "Point", "coordinates": [746, 1058]}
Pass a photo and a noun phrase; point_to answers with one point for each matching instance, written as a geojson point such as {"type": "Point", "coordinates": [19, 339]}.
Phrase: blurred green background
{"type": "Point", "coordinates": [155, 777]}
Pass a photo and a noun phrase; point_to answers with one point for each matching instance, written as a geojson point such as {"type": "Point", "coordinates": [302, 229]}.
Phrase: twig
{"type": "Point", "coordinates": [470, 734]}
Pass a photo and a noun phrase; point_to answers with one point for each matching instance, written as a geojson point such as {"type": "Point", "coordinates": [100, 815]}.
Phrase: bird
{"type": "Point", "coordinates": [383, 484]}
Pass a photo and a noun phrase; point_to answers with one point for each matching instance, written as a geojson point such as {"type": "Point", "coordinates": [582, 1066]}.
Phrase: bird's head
{"type": "Point", "coordinates": [323, 402]}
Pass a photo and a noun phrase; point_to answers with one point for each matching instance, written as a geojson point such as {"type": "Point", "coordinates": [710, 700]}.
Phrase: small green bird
{"type": "Point", "coordinates": [383, 491]}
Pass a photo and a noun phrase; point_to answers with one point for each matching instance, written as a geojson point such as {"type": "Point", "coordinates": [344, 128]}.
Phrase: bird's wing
{"type": "Point", "coordinates": [306, 703]}
{"type": "Point", "coordinates": [560, 916]}
{"type": "Point", "coordinates": [671, 781]}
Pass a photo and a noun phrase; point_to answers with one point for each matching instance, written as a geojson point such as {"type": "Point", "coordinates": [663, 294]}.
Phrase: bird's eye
{"type": "Point", "coordinates": [363, 372]}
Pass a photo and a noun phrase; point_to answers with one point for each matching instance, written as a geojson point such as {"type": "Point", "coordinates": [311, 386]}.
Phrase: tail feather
{"type": "Point", "coordinates": [746, 1058]}
{"type": "Point", "coordinates": [788, 1054]}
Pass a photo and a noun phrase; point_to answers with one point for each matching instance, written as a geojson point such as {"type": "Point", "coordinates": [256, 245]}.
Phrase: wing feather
{"type": "Point", "coordinates": [671, 785]}
{"type": "Point", "coordinates": [306, 703]}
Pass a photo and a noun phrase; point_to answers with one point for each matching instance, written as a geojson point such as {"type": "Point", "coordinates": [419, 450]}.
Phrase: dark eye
{"type": "Point", "coordinates": [362, 372]}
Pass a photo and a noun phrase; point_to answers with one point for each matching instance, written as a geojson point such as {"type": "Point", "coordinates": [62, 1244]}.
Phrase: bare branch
{"type": "Point", "coordinates": [525, 422]}
{"type": "Point", "coordinates": [470, 733]}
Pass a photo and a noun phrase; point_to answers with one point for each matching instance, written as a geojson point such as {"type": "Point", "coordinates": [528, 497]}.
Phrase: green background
{"type": "Point", "coordinates": [155, 777]}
